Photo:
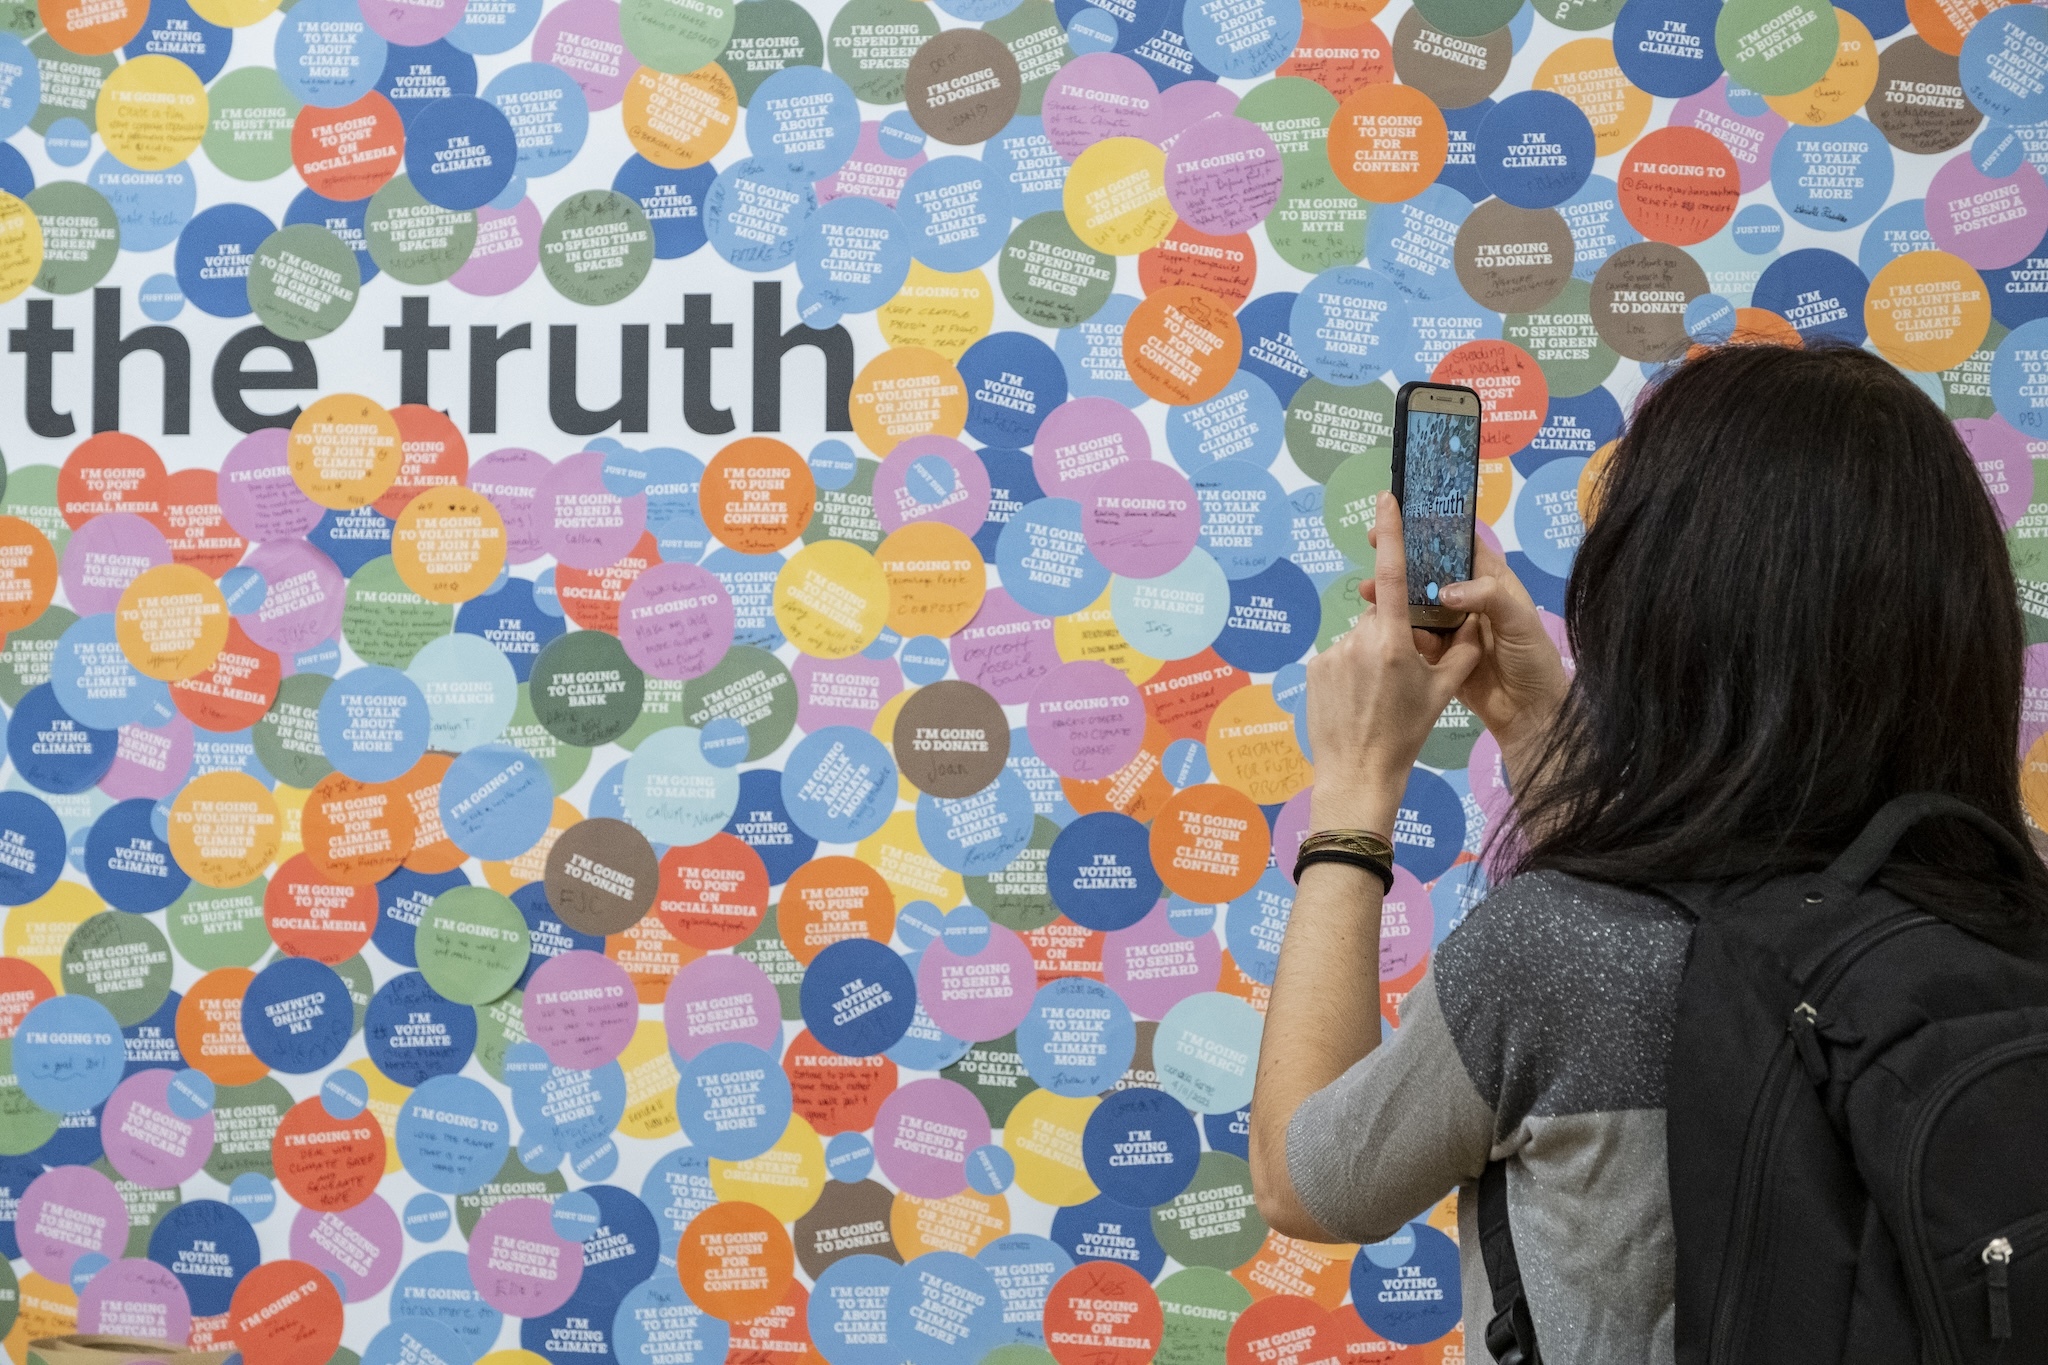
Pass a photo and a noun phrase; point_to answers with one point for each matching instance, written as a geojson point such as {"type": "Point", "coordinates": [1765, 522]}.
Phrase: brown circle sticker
{"type": "Point", "coordinates": [602, 876]}
{"type": "Point", "coordinates": [1513, 260]}
{"type": "Point", "coordinates": [1455, 72]}
{"type": "Point", "coordinates": [1919, 104]}
{"type": "Point", "coordinates": [1639, 300]}
{"type": "Point", "coordinates": [951, 739]}
{"type": "Point", "coordinates": [848, 1220]}
{"type": "Point", "coordinates": [962, 86]}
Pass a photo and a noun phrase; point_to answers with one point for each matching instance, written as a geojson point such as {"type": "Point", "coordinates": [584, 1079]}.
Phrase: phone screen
{"type": "Point", "coordinates": [1440, 485]}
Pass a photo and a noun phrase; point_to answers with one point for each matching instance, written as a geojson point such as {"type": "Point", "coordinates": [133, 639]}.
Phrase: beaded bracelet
{"type": "Point", "coordinates": [1359, 848]}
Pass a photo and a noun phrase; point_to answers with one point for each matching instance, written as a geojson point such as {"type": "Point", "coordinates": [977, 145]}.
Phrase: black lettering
{"type": "Point", "coordinates": [41, 341]}
{"type": "Point", "coordinates": [415, 341]}
{"type": "Point", "coordinates": [231, 380]}
{"type": "Point", "coordinates": [771, 344]}
{"type": "Point", "coordinates": [567, 410]}
{"type": "Point", "coordinates": [487, 346]}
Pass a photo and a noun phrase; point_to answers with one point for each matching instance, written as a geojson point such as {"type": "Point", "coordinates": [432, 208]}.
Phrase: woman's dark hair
{"type": "Point", "coordinates": [1793, 603]}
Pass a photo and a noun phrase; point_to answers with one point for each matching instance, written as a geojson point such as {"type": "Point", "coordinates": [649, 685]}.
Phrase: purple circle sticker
{"type": "Point", "coordinates": [1749, 138]}
{"type": "Point", "coordinates": [581, 1007]}
{"type": "Point", "coordinates": [979, 997]}
{"type": "Point", "coordinates": [842, 691]}
{"type": "Point", "coordinates": [1152, 967]}
{"type": "Point", "coordinates": [582, 38]}
{"type": "Point", "coordinates": [413, 23]}
{"type": "Point", "coordinates": [924, 1132]}
{"type": "Point", "coordinates": [302, 598]}
{"type": "Point", "coordinates": [1005, 649]}
{"type": "Point", "coordinates": [1086, 720]}
{"type": "Point", "coordinates": [136, 1298]}
{"type": "Point", "coordinates": [510, 478]}
{"type": "Point", "coordinates": [1187, 103]}
{"type": "Point", "coordinates": [1097, 96]}
{"type": "Point", "coordinates": [905, 493]}
{"type": "Point", "coordinates": [1290, 827]}
{"type": "Point", "coordinates": [1990, 222]}
{"type": "Point", "coordinates": [2034, 698]}
{"type": "Point", "coordinates": [506, 253]}
{"type": "Point", "coordinates": [583, 524]}
{"type": "Point", "coordinates": [72, 1211]}
{"type": "Point", "coordinates": [1223, 175]}
{"type": "Point", "coordinates": [150, 762]}
{"type": "Point", "coordinates": [721, 999]}
{"type": "Point", "coordinates": [1083, 439]}
{"type": "Point", "coordinates": [1407, 925]}
{"type": "Point", "coordinates": [2004, 460]}
{"type": "Point", "coordinates": [359, 1247]}
{"type": "Point", "coordinates": [1141, 519]}
{"type": "Point", "coordinates": [107, 554]}
{"type": "Point", "coordinates": [519, 1264]}
{"type": "Point", "coordinates": [676, 621]}
{"type": "Point", "coordinates": [258, 495]}
{"type": "Point", "coordinates": [870, 172]}
{"type": "Point", "coordinates": [146, 1142]}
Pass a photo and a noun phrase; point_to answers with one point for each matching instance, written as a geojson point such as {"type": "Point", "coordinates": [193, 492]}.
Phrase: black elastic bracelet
{"type": "Point", "coordinates": [1349, 859]}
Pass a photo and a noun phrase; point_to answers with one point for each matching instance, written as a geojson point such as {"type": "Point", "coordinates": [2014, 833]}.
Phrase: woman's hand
{"type": "Point", "coordinates": [1375, 693]}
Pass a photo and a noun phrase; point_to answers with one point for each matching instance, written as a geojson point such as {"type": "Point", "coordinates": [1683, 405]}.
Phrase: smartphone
{"type": "Point", "coordinates": [1436, 482]}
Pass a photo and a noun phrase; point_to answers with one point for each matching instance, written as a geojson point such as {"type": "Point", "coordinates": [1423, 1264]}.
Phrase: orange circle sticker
{"type": "Point", "coordinates": [735, 1260]}
{"type": "Point", "coordinates": [936, 578]}
{"type": "Point", "coordinates": [1182, 345]}
{"type": "Point", "coordinates": [1388, 143]}
{"type": "Point", "coordinates": [1340, 57]}
{"type": "Point", "coordinates": [836, 1094]}
{"type": "Point", "coordinates": [224, 829]}
{"type": "Point", "coordinates": [194, 525]}
{"type": "Point", "coordinates": [651, 956]}
{"type": "Point", "coordinates": [1252, 747]}
{"type": "Point", "coordinates": [678, 121]}
{"type": "Point", "coordinates": [431, 454]}
{"type": "Point", "coordinates": [1513, 394]}
{"type": "Point", "coordinates": [348, 153]}
{"type": "Point", "coordinates": [1849, 81]}
{"type": "Point", "coordinates": [714, 894]}
{"type": "Point", "coordinates": [1679, 186]}
{"type": "Point", "coordinates": [1927, 311]}
{"type": "Point", "coordinates": [92, 28]}
{"type": "Point", "coordinates": [28, 573]}
{"type": "Point", "coordinates": [432, 849]}
{"type": "Point", "coordinates": [1225, 266]}
{"type": "Point", "coordinates": [355, 832]}
{"type": "Point", "coordinates": [285, 1313]}
{"type": "Point", "coordinates": [311, 915]}
{"type": "Point", "coordinates": [172, 622]}
{"type": "Point", "coordinates": [111, 472]}
{"type": "Point", "coordinates": [905, 392]}
{"type": "Point", "coordinates": [327, 1163]}
{"type": "Point", "coordinates": [449, 544]}
{"type": "Point", "coordinates": [757, 495]}
{"type": "Point", "coordinates": [964, 1222]}
{"type": "Point", "coordinates": [22, 987]}
{"type": "Point", "coordinates": [344, 451]}
{"type": "Point", "coordinates": [209, 1028]}
{"type": "Point", "coordinates": [1210, 843]}
{"type": "Point", "coordinates": [592, 597]}
{"type": "Point", "coordinates": [1103, 1313]}
{"type": "Point", "coordinates": [831, 898]}
{"type": "Point", "coordinates": [235, 690]}
{"type": "Point", "coordinates": [1586, 73]}
{"type": "Point", "coordinates": [1942, 23]}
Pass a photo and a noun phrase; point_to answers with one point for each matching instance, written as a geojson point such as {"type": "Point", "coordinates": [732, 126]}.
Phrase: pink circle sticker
{"type": "Point", "coordinates": [1489, 779]}
{"type": "Point", "coordinates": [1083, 439]}
{"type": "Point", "coordinates": [923, 1134]}
{"type": "Point", "coordinates": [413, 23]}
{"type": "Point", "coordinates": [721, 999]}
{"type": "Point", "coordinates": [359, 1247]}
{"type": "Point", "coordinates": [1086, 720]}
{"type": "Point", "coordinates": [905, 491]}
{"type": "Point", "coordinates": [519, 1264]}
{"type": "Point", "coordinates": [510, 478]}
{"type": "Point", "coordinates": [302, 597]}
{"type": "Point", "coordinates": [1407, 924]}
{"type": "Point", "coordinates": [68, 1212]}
{"type": "Point", "coordinates": [870, 172]}
{"type": "Point", "coordinates": [135, 1298]}
{"type": "Point", "coordinates": [2005, 462]}
{"type": "Point", "coordinates": [1005, 649]}
{"type": "Point", "coordinates": [146, 1142]}
{"type": "Point", "coordinates": [581, 1007]}
{"type": "Point", "coordinates": [1224, 175]}
{"type": "Point", "coordinates": [1186, 104]}
{"type": "Point", "coordinates": [676, 621]}
{"type": "Point", "coordinates": [2034, 698]}
{"type": "Point", "coordinates": [1749, 138]}
{"type": "Point", "coordinates": [1097, 96]}
{"type": "Point", "coordinates": [1153, 968]}
{"type": "Point", "coordinates": [980, 997]}
{"type": "Point", "coordinates": [507, 251]}
{"type": "Point", "coordinates": [104, 556]}
{"type": "Point", "coordinates": [1141, 519]}
{"type": "Point", "coordinates": [582, 523]}
{"type": "Point", "coordinates": [1290, 827]}
{"type": "Point", "coordinates": [1989, 222]}
{"type": "Point", "coordinates": [842, 691]}
{"type": "Point", "coordinates": [582, 37]}
{"type": "Point", "coordinates": [258, 495]}
{"type": "Point", "coordinates": [150, 762]}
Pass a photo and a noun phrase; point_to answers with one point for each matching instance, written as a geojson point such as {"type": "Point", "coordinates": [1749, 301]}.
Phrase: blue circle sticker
{"type": "Point", "coordinates": [1832, 178]}
{"type": "Point", "coordinates": [327, 55]}
{"type": "Point", "coordinates": [297, 1015]}
{"type": "Point", "coordinates": [1666, 47]}
{"type": "Point", "coordinates": [69, 1054]}
{"type": "Point", "coordinates": [858, 997]}
{"type": "Point", "coordinates": [209, 1246]}
{"type": "Point", "coordinates": [547, 112]}
{"type": "Point", "coordinates": [733, 1100]}
{"type": "Point", "coordinates": [413, 1034]}
{"type": "Point", "coordinates": [1013, 381]}
{"type": "Point", "coordinates": [129, 863]}
{"type": "Point", "coordinates": [1818, 291]}
{"type": "Point", "coordinates": [1535, 149]}
{"type": "Point", "coordinates": [452, 1134]}
{"type": "Point", "coordinates": [1140, 1147]}
{"type": "Point", "coordinates": [460, 152]}
{"type": "Point", "coordinates": [1100, 871]}
{"type": "Point", "coordinates": [1417, 1300]}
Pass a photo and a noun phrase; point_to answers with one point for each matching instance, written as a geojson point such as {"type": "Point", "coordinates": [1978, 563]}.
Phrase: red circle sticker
{"type": "Point", "coordinates": [1513, 394]}
{"type": "Point", "coordinates": [836, 1094]}
{"type": "Point", "coordinates": [1184, 693]}
{"type": "Point", "coordinates": [236, 691]}
{"type": "Point", "coordinates": [310, 915]}
{"type": "Point", "coordinates": [431, 454]}
{"type": "Point", "coordinates": [1103, 1313]}
{"type": "Point", "coordinates": [285, 1313]}
{"type": "Point", "coordinates": [1225, 266]}
{"type": "Point", "coordinates": [1283, 1327]}
{"type": "Point", "coordinates": [591, 597]}
{"type": "Point", "coordinates": [111, 472]}
{"type": "Point", "coordinates": [1341, 60]}
{"type": "Point", "coordinates": [22, 987]}
{"type": "Point", "coordinates": [197, 529]}
{"type": "Point", "coordinates": [712, 894]}
{"type": "Point", "coordinates": [348, 153]}
{"type": "Point", "coordinates": [1679, 186]}
{"type": "Point", "coordinates": [327, 1163]}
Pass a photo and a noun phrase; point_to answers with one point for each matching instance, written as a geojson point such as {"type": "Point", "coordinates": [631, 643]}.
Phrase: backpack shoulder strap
{"type": "Point", "coordinates": [1866, 857]}
{"type": "Point", "coordinates": [1511, 1333]}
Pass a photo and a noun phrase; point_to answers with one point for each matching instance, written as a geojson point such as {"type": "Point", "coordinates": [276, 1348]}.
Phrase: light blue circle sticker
{"type": "Point", "coordinates": [575, 1215]}
{"type": "Point", "coordinates": [1022, 157]}
{"type": "Point", "coordinates": [1832, 178]}
{"type": "Point", "coordinates": [1710, 319]}
{"type": "Point", "coordinates": [160, 300]}
{"type": "Point", "coordinates": [854, 254]}
{"type": "Point", "coordinates": [1093, 352]}
{"type": "Point", "coordinates": [990, 1169]}
{"type": "Point", "coordinates": [724, 742]}
{"type": "Point", "coordinates": [374, 724]}
{"type": "Point", "coordinates": [344, 1094]}
{"type": "Point", "coordinates": [548, 114]}
{"type": "Point", "coordinates": [496, 801]}
{"type": "Point", "coordinates": [95, 683]}
{"type": "Point", "coordinates": [734, 1101]}
{"type": "Point", "coordinates": [426, 1217]}
{"type": "Point", "coordinates": [849, 1157]}
{"type": "Point", "coordinates": [1239, 39]}
{"type": "Point", "coordinates": [190, 1094]}
{"type": "Point", "coordinates": [756, 212]}
{"type": "Point", "coordinates": [1246, 523]}
{"type": "Point", "coordinates": [1350, 325]}
{"type": "Point", "coordinates": [252, 1195]}
{"type": "Point", "coordinates": [1176, 615]}
{"type": "Point", "coordinates": [21, 85]}
{"type": "Point", "coordinates": [957, 211]}
{"type": "Point", "coordinates": [152, 206]}
{"type": "Point", "coordinates": [68, 142]}
{"type": "Point", "coordinates": [327, 55]}
{"type": "Point", "coordinates": [673, 793]}
{"type": "Point", "coordinates": [470, 688]}
{"type": "Point", "coordinates": [1205, 1050]}
{"type": "Point", "coordinates": [1244, 422]}
{"type": "Point", "coordinates": [839, 784]}
{"type": "Point", "coordinates": [980, 834]}
{"type": "Point", "coordinates": [1547, 519]}
{"type": "Point", "coordinates": [69, 1054]}
{"type": "Point", "coordinates": [1045, 561]}
{"type": "Point", "coordinates": [1758, 228]}
{"type": "Point", "coordinates": [452, 1134]}
{"type": "Point", "coordinates": [1078, 1037]}
{"type": "Point", "coordinates": [804, 119]}
{"type": "Point", "coordinates": [2004, 65]}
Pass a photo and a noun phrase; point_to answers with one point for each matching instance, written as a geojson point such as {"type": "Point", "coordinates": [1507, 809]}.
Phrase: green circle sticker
{"type": "Point", "coordinates": [1966, 389]}
{"type": "Point", "coordinates": [1580, 16]}
{"type": "Point", "coordinates": [32, 496]}
{"type": "Point", "coordinates": [81, 236]}
{"type": "Point", "coordinates": [1468, 18]}
{"type": "Point", "coordinates": [244, 1118]}
{"type": "Point", "coordinates": [848, 512]}
{"type": "Point", "coordinates": [1016, 895]}
{"type": "Point", "coordinates": [768, 35]}
{"type": "Point", "coordinates": [303, 282]}
{"type": "Point", "coordinates": [1328, 423]}
{"type": "Point", "coordinates": [1295, 113]}
{"type": "Point", "coordinates": [355, 974]}
{"type": "Point", "coordinates": [1038, 40]}
{"type": "Point", "coordinates": [415, 242]}
{"type": "Point", "coordinates": [1562, 340]}
{"type": "Point", "coordinates": [500, 1027]}
{"type": "Point", "coordinates": [1318, 224]}
{"type": "Point", "coordinates": [1342, 605]}
{"type": "Point", "coordinates": [20, 19]}
{"type": "Point", "coordinates": [287, 739]}
{"type": "Point", "coordinates": [145, 1207]}
{"type": "Point", "coordinates": [564, 763]}
{"type": "Point", "coordinates": [750, 686]}
{"type": "Point", "coordinates": [249, 124]}
{"type": "Point", "coordinates": [585, 690]}
{"type": "Point", "coordinates": [24, 1125]}
{"type": "Point", "coordinates": [1213, 1222]}
{"type": "Point", "coordinates": [513, 1181]}
{"type": "Point", "coordinates": [676, 36]}
{"type": "Point", "coordinates": [1776, 47]}
{"type": "Point", "coordinates": [122, 961]}
{"type": "Point", "coordinates": [10, 1297]}
{"type": "Point", "coordinates": [1351, 502]}
{"type": "Point", "coordinates": [996, 1075]}
{"type": "Point", "coordinates": [71, 84]}
{"type": "Point", "coordinates": [872, 42]}
{"type": "Point", "coordinates": [596, 247]}
{"type": "Point", "coordinates": [1050, 276]}
{"type": "Point", "coordinates": [213, 929]}
{"type": "Point", "coordinates": [1199, 1305]}
{"type": "Point", "coordinates": [661, 707]}
{"type": "Point", "coordinates": [386, 622]}
{"type": "Point", "coordinates": [26, 657]}
{"type": "Point", "coordinates": [1450, 740]}
{"type": "Point", "coordinates": [766, 950]}
{"type": "Point", "coordinates": [472, 945]}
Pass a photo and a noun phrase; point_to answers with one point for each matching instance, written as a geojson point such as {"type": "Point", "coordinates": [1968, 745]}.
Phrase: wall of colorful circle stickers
{"type": "Point", "coordinates": [810, 892]}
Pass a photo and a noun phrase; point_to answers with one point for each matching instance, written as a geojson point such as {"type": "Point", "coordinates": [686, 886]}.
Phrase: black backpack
{"type": "Point", "coordinates": [1857, 1130]}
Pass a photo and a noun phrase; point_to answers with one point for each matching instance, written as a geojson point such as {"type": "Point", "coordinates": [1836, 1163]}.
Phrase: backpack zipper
{"type": "Point", "coordinates": [1997, 1256]}
{"type": "Point", "coordinates": [1737, 1257]}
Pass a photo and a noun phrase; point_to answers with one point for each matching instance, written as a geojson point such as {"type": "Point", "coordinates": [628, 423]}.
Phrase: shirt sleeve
{"type": "Point", "coordinates": [1397, 1132]}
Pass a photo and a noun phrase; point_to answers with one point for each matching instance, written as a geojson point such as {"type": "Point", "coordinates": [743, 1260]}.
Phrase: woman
{"type": "Point", "coordinates": [1793, 604]}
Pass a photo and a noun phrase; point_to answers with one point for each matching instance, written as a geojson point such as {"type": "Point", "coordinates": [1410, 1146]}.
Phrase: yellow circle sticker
{"type": "Point", "coordinates": [962, 1223]}
{"type": "Point", "coordinates": [1043, 1136]}
{"type": "Point", "coordinates": [831, 599]}
{"type": "Point", "coordinates": [897, 852]}
{"type": "Point", "coordinates": [386, 1097]}
{"type": "Point", "coordinates": [1586, 73]}
{"type": "Point", "coordinates": [1116, 196]}
{"type": "Point", "coordinates": [1252, 747]}
{"type": "Point", "coordinates": [171, 624]}
{"type": "Point", "coordinates": [907, 392]}
{"type": "Point", "coordinates": [152, 111]}
{"type": "Point", "coordinates": [936, 311]}
{"type": "Point", "coordinates": [786, 1179]}
{"type": "Point", "coordinates": [680, 121]}
{"type": "Point", "coordinates": [1091, 634]}
{"type": "Point", "coordinates": [37, 932]}
{"type": "Point", "coordinates": [224, 829]}
{"type": "Point", "coordinates": [448, 544]}
{"type": "Point", "coordinates": [936, 578]}
{"type": "Point", "coordinates": [651, 1080]}
{"type": "Point", "coordinates": [235, 13]}
{"type": "Point", "coordinates": [344, 451]}
{"type": "Point", "coordinates": [1844, 87]}
{"type": "Point", "coordinates": [1927, 311]}
{"type": "Point", "coordinates": [21, 246]}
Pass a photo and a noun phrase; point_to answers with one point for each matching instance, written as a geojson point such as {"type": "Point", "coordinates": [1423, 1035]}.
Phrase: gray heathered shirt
{"type": "Point", "coordinates": [1540, 1036]}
